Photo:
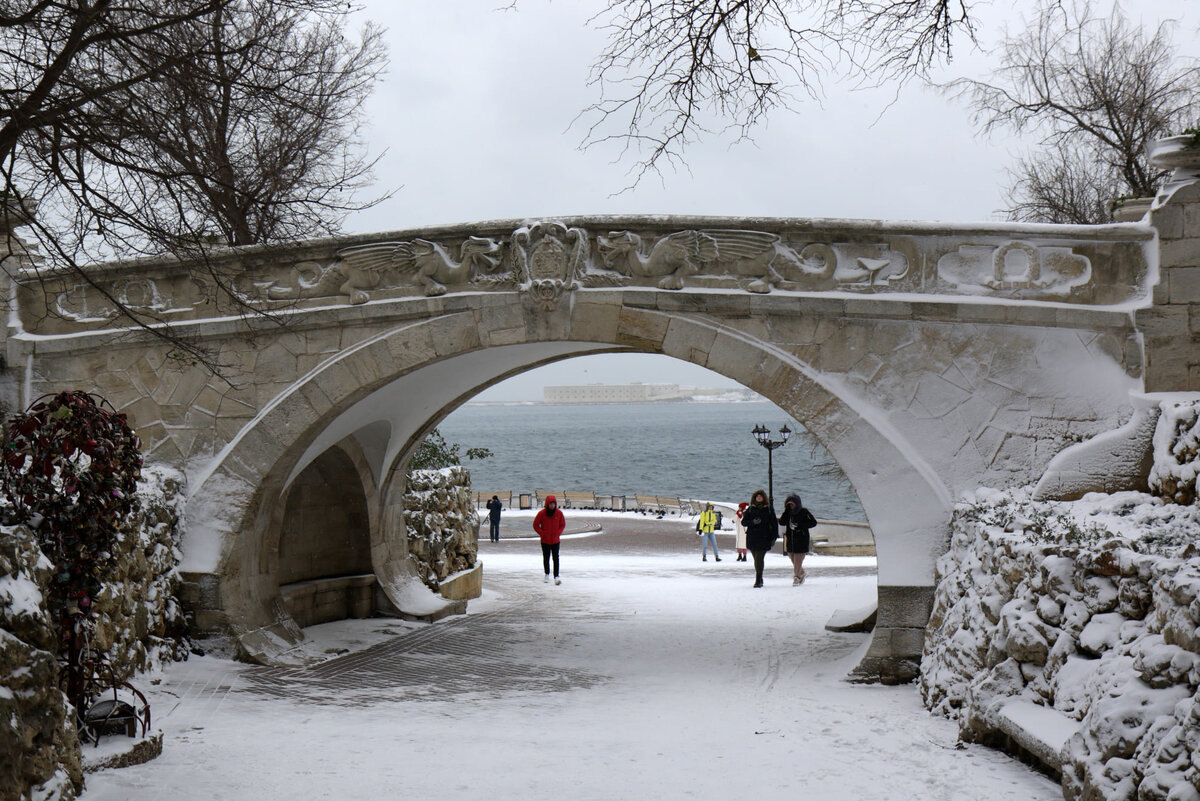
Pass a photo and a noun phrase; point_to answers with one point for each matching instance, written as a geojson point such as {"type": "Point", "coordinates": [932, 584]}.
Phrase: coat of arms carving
{"type": "Point", "coordinates": [551, 257]}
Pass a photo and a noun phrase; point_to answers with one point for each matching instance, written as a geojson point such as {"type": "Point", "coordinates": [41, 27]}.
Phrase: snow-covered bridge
{"type": "Point", "coordinates": [929, 359]}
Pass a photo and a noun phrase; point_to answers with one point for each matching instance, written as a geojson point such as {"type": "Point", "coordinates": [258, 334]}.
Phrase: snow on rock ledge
{"type": "Point", "coordinates": [443, 526]}
{"type": "Point", "coordinates": [1090, 609]}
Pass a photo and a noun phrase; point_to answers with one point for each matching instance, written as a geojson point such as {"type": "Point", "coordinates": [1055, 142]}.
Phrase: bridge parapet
{"type": "Point", "coordinates": [549, 259]}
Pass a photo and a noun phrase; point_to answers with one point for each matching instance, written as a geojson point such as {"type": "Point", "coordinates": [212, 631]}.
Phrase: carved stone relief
{"type": "Point", "coordinates": [869, 265]}
{"type": "Point", "coordinates": [550, 258]}
{"type": "Point", "coordinates": [547, 258]}
{"type": "Point", "coordinates": [1019, 269]}
{"type": "Point", "coordinates": [86, 303]}
{"type": "Point", "coordinates": [761, 259]}
{"type": "Point", "coordinates": [359, 269]}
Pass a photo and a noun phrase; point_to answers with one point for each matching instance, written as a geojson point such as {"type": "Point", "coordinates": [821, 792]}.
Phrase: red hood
{"type": "Point", "coordinates": [550, 499]}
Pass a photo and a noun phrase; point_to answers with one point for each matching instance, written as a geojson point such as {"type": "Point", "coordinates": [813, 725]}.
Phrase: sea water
{"type": "Point", "coordinates": [701, 450]}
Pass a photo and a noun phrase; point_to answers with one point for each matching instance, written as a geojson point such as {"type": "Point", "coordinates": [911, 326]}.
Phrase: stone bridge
{"type": "Point", "coordinates": [929, 359]}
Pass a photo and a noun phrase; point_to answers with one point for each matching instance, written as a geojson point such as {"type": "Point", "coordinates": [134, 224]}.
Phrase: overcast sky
{"type": "Point", "coordinates": [476, 111]}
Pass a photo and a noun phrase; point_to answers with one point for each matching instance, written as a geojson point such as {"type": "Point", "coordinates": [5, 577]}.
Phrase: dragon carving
{"type": "Point", "coordinates": [757, 255]}
{"type": "Point", "coordinates": [361, 268]}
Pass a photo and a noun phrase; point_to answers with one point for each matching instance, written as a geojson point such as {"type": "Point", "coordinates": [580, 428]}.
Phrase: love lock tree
{"type": "Point", "coordinates": [69, 469]}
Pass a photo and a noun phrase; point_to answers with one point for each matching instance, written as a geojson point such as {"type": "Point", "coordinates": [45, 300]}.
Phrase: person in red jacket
{"type": "Point", "coordinates": [549, 524]}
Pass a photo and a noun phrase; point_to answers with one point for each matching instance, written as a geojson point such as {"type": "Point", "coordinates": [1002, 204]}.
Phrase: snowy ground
{"type": "Point", "coordinates": [647, 674]}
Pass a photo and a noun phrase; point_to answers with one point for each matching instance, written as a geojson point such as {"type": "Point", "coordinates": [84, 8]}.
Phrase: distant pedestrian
{"type": "Point", "coordinates": [739, 541]}
{"type": "Point", "coordinates": [796, 522]}
{"type": "Point", "coordinates": [549, 524]}
{"type": "Point", "coordinates": [494, 506]}
{"type": "Point", "coordinates": [706, 527]}
{"type": "Point", "coordinates": [762, 529]}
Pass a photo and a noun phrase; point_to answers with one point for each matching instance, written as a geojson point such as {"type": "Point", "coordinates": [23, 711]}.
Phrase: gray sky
{"type": "Point", "coordinates": [476, 116]}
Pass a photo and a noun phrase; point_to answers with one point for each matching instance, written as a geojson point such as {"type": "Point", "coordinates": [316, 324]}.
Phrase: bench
{"type": "Point", "coordinates": [647, 502]}
{"type": "Point", "coordinates": [332, 598]}
{"type": "Point", "coordinates": [579, 500]}
{"type": "Point", "coordinates": [111, 715]}
{"type": "Point", "coordinates": [539, 497]}
{"type": "Point", "coordinates": [480, 499]}
{"type": "Point", "coordinates": [672, 505]}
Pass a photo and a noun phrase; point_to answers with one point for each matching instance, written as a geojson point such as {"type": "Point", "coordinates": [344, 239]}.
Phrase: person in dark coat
{"type": "Point", "coordinates": [549, 524]}
{"type": "Point", "coordinates": [796, 522]}
{"type": "Point", "coordinates": [762, 529]}
{"type": "Point", "coordinates": [494, 506]}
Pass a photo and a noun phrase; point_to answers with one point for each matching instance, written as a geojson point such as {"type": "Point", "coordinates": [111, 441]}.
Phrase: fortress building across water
{"type": "Point", "coordinates": [623, 393]}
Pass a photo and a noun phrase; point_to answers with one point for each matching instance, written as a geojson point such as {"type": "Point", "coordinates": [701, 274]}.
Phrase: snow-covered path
{"type": "Point", "coordinates": [645, 675]}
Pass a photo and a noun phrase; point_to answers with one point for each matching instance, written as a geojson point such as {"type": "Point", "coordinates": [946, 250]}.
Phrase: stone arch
{"type": "Point", "coordinates": [906, 503]}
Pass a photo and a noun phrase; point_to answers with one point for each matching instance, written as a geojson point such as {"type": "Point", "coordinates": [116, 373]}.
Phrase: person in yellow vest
{"type": "Point", "coordinates": [706, 528]}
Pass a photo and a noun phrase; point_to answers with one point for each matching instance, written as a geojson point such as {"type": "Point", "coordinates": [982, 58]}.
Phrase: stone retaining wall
{"type": "Point", "coordinates": [443, 526]}
{"type": "Point", "coordinates": [1090, 610]}
{"type": "Point", "coordinates": [139, 624]}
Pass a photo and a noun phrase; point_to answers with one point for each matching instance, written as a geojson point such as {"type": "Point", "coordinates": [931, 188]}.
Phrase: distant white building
{"type": "Point", "coordinates": [620, 393]}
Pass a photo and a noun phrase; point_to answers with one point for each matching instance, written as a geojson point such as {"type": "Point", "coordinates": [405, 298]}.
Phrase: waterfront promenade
{"type": "Point", "coordinates": [647, 674]}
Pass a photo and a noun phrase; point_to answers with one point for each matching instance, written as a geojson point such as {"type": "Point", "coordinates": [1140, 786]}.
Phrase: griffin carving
{"type": "Point", "coordinates": [434, 268]}
{"type": "Point", "coordinates": [361, 268]}
{"type": "Point", "coordinates": [757, 255]}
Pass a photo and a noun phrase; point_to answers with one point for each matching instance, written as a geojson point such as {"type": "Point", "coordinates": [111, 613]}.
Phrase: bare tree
{"type": "Point", "coordinates": [1062, 184]}
{"type": "Point", "coordinates": [1097, 90]}
{"type": "Point", "coordinates": [673, 68]}
{"type": "Point", "coordinates": [258, 134]}
{"type": "Point", "coordinates": [151, 126]}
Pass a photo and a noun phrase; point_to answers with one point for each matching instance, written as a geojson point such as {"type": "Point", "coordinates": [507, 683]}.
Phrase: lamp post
{"type": "Point", "coordinates": [763, 435]}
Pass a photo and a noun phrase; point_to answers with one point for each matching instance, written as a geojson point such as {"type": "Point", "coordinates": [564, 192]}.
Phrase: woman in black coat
{"type": "Point", "coordinates": [796, 521]}
{"type": "Point", "coordinates": [762, 529]}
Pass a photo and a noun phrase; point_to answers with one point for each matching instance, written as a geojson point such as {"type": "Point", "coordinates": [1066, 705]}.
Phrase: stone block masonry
{"type": "Point", "coordinates": [1172, 343]}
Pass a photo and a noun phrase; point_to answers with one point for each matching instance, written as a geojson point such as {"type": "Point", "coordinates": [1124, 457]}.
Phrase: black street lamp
{"type": "Point", "coordinates": [763, 435]}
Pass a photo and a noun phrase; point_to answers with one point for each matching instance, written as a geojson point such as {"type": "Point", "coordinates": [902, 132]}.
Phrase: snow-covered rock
{"type": "Point", "coordinates": [38, 744]}
{"type": "Point", "coordinates": [140, 623]}
{"type": "Point", "coordinates": [1090, 609]}
{"type": "Point", "coordinates": [1176, 451]}
{"type": "Point", "coordinates": [443, 526]}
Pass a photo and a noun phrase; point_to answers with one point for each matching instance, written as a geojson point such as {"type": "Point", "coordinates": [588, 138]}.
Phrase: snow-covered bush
{"type": "Point", "coordinates": [443, 526]}
{"type": "Point", "coordinates": [1090, 608]}
{"type": "Point", "coordinates": [138, 624]}
{"type": "Point", "coordinates": [1176, 451]}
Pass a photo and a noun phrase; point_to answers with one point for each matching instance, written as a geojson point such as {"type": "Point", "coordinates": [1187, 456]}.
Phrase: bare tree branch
{"type": "Point", "coordinates": [674, 69]}
{"type": "Point", "coordinates": [1061, 184]}
{"type": "Point", "coordinates": [1097, 90]}
{"type": "Point", "coordinates": [159, 126]}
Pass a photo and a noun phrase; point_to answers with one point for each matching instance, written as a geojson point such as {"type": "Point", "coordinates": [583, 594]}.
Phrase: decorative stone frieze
{"type": "Point", "coordinates": [546, 259]}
